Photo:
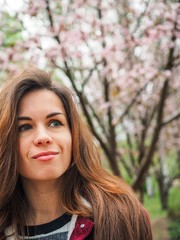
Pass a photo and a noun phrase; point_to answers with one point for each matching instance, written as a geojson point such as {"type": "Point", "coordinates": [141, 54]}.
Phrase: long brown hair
{"type": "Point", "coordinates": [88, 189]}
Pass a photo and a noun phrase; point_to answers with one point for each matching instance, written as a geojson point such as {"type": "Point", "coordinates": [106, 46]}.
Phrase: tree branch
{"type": "Point", "coordinates": [51, 19]}
{"type": "Point", "coordinates": [133, 100]}
{"type": "Point", "coordinates": [131, 156]}
{"type": "Point", "coordinates": [125, 165]}
{"type": "Point", "coordinates": [90, 122]}
{"type": "Point", "coordinates": [147, 161]}
{"type": "Point", "coordinates": [139, 19]}
{"type": "Point", "coordinates": [83, 101]}
{"type": "Point", "coordinates": [107, 97]}
{"type": "Point", "coordinates": [171, 118]}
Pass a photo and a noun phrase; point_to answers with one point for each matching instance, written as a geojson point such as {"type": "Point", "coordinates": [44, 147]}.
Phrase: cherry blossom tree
{"type": "Point", "coordinates": [168, 157]}
{"type": "Point", "coordinates": [120, 58]}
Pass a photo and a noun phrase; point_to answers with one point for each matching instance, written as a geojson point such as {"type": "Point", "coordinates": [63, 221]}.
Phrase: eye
{"type": "Point", "coordinates": [24, 127]}
{"type": "Point", "coordinates": [55, 123]}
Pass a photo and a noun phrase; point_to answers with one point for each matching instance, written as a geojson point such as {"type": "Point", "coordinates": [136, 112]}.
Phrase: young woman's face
{"type": "Point", "coordinates": [45, 142]}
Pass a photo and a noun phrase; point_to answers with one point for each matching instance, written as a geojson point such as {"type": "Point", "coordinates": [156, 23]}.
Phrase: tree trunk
{"type": "Point", "coordinates": [140, 192]}
{"type": "Point", "coordinates": [163, 192]}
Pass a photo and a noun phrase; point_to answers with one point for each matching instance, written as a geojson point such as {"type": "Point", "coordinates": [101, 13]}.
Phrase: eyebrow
{"type": "Point", "coordinates": [48, 116]}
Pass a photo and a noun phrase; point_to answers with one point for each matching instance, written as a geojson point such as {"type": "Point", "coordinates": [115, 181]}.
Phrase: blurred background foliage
{"type": "Point", "coordinates": [121, 59]}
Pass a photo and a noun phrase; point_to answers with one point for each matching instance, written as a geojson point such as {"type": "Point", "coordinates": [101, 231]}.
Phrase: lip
{"type": "Point", "coordinates": [45, 156]}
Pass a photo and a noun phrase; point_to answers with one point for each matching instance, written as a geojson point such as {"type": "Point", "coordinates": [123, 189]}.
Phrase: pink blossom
{"type": "Point", "coordinates": [113, 45]}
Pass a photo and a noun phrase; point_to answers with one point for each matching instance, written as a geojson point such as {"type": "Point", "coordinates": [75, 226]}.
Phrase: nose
{"type": "Point", "coordinates": [42, 137]}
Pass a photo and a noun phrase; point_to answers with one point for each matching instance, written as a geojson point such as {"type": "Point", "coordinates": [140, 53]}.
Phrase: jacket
{"type": "Point", "coordinates": [83, 230]}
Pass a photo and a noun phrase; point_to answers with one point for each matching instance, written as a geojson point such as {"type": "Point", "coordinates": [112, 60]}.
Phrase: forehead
{"type": "Point", "coordinates": [40, 101]}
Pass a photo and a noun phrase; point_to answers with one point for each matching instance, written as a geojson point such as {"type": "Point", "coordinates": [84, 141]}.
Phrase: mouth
{"type": "Point", "coordinates": [45, 156]}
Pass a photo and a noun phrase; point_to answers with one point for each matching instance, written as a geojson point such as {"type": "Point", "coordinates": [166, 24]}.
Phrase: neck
{"type": "Point", "coordinates": [44, 201]}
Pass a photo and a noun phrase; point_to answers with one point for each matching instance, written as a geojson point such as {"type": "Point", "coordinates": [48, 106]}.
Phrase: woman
{"type": "Point", "coordinates": [52, 182]}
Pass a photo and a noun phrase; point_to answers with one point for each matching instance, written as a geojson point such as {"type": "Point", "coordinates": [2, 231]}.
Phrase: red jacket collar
{"type": "Point", "coordinates": [83, 229]}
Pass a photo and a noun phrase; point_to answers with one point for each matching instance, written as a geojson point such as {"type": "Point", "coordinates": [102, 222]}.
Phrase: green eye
{"type": "Point", "coordinates": [24, 127]}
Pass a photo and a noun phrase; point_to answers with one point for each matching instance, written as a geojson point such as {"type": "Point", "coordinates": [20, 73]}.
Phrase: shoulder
{"type": "Point", "coordinates": [83, 230]}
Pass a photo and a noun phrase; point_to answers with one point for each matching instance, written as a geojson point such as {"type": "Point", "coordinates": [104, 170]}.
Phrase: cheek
{"type": "Point", "coordinates": [22, 148]}
{"type": "Point", "coordinates": [68, 145]}
{"type": "Point", "coordinates": [19, 148]}
{"type": "Point", "coordinates": [20, 156]}
{"type": "Point", "coordinates": [65, 139]}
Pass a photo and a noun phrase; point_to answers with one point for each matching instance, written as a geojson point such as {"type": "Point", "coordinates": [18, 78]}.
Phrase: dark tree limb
{"type": "Point", "coordinates": [147, 161]}
{"type": "Point", "coordinates": [171, 118]}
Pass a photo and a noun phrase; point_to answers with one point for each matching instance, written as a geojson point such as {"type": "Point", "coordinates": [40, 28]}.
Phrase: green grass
{"type": "Point", "coordinates": [174, 229]}
{"type": "Point", "coordinates": [174, 203]}
{"type": "Point", "coordinates": [153, 206]}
